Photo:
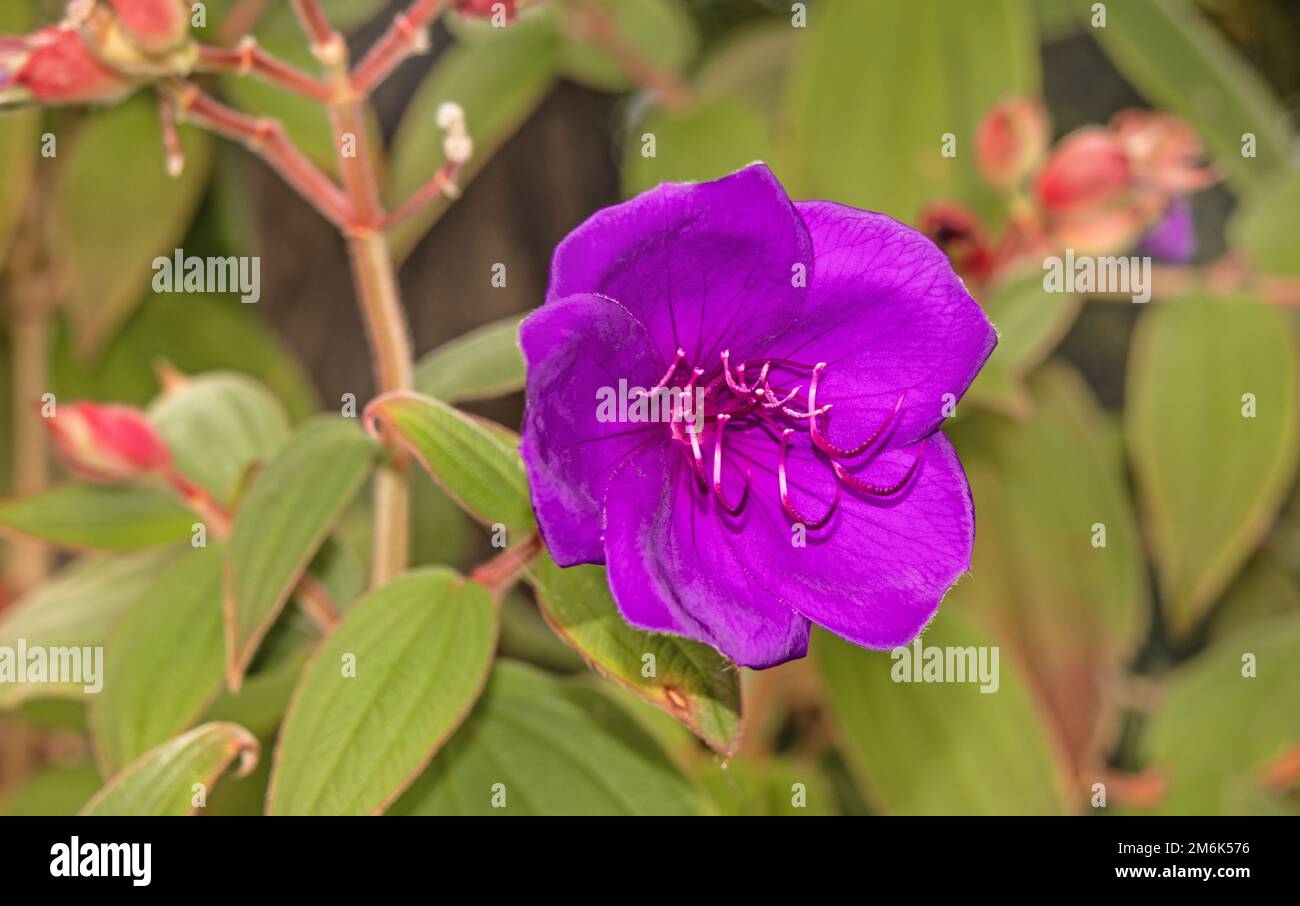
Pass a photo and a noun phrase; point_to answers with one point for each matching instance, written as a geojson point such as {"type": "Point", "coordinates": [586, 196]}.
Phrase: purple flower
{"type": "Point", "coordinates": [1173, 237]}
{"type": "Point", "coordinates": [825, 346]}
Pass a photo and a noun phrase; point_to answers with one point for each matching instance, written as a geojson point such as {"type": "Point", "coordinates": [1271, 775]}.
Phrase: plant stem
{"type": "Point", "coordinates": [498, 574]}
{"type": "Point", "coordinates": [30, 335]}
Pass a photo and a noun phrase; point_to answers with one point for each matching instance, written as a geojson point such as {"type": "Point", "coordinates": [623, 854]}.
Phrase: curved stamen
{"type": "Point", "coordinates": [766, 390]}
{"type": "Point", "coordinates": [811, 413]}
{"type": "Point", "coordinates": [820, 439]}
{"type": "Point", "coordinates": [668, 375]}
{"type": "Point", "coordinates": [696, 454]}
{"type": "Point", "coordinates": [876, 490]}
{"type": "Point", "coordinates": [717, 473]}
{"type": "Point", "coordinates": [786, 503]}
{"type": "Point", "coordinates": [738, 388]}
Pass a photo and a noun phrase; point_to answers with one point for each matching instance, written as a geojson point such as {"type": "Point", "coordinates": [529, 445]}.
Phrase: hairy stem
{"type": "Point", "coordinates": [30, 335]}
{"type": "Point", "coordinates": [500, 573]}
{"type": "Point", "coordinates": [408, 35]}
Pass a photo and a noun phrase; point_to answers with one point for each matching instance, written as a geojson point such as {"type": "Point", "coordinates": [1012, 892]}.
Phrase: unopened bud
{"type": "Point", "coordinates": [1088, 170]}
{"type": "Point", "coordinates": [1010, 142]}
{"type": "Point", "coordinates": [54, 66]}
{"type": "Point", "coordinates": [106, 442]}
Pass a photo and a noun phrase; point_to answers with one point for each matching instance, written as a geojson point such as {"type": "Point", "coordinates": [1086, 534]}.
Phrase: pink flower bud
{"type": "Point", "coordinates": [154, 26]}
{"type": "Point", "coordinates": [486, 8]}
{"type": "Point", "coordinates": [1163, 151]}
{"type": "Point", "coordinates": [960, 234]}
{"type": "Point", "coordinates": [54, 66]}
{"type": "Point", "coordinates": [107, 443]}
{"type": "Point", "coordinates": [1087, 171]}
{"type": "Point", "coordinates": [1010, 141]}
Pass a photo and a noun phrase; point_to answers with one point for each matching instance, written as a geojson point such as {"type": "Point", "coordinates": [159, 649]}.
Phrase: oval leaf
{"type": "Point", "coordinates": [117, 210]}
{"type": "Point", "coordinates": [537, 746]}
{"type": "Point", "coordinates": [76, 608]}
{"type": "Point", "coordinates": [388, 687]}
{"type": "Point", "coordinates": [99, 517]}
{"type": "Point", "coordinates": [1212, 427]}
{"type": "Point", "coordinates": [289, 511]}
{"type": "Point", "coordinates": [161, 782]}
{"type": "Point", "coordinates": [166, 659]}
{"type": "Point", "coordinates": [472, 463]}
{"type": "Point", "coordinates": [217, 426]}
{"type": "Point", "coordinates": [939, 748]}
{"type": "Point", "coordinates": [690, 681]}
{"type": "Point", "coordinates": [484, 363]}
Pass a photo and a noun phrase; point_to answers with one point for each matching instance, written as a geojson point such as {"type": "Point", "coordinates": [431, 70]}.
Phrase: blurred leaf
{"type": "Point", "coordinates": [860, 134]}
{"type": "Point", "coordinates": [117, 210]}
{"type": "Point", "coordinates": [746, 787]}
{"type": "Point", "coordinates": [690, 681]}
{"type": "Point", "coordinates": [75, 608]}
{"type": "Point", "coordinates": [1219, 730]}
{"type": "Point", "coordinates": [940, 748]}
{"type": "Point", "coordinates": [1180, 63]}
{"type": "Point", "coordinates": [472, 464]}
{"type": "Point", "coordinates": [705, 142]}
{"type": "Point", "coordinates": [543, 747]}
{"type": "Point", "coordinates": [286, 516]}
{"type": "Point", "coordinates": [420, 649]}
{"type": "Point", "coordinates": [1030, 323]}
{"type": "Point", "coordinates": [1068, 610]}
{"type": "Point", "coordinates": [264, 697]}
{"type": "Point", "coordinates": [165, 662]}
{"type": "Point", "coordinates": [57, 791]}
{"type": "Point", "coordinates": [1263, 591]}
{"type": "Point", "coordinates": [496, 99]}
{"type": "Point", "coordinates": [217, 425]}
{"type": "Point", "coordinates": [1211, 479]}
{"type": "Point", "coordinates": [19, 140]}
{"type": "Point", "coordinates": [1264, 227]}
{"type": "Point", "coordinates": [440, 532]}
{"type": "Point", "coordinates": [749, 65]}
{"type": "Point", "coordinates": [99, 517]}
{"type": "Point", "coordinates": [232, 338]}
{"type": "Point", "coordinates": [660, 33]}
{"type": "Point", "coordinates": [161, 781]}
{"type": "Point", "coordinates": [526, 637]}
{"type": "Point", "coordinates": [482, 364]}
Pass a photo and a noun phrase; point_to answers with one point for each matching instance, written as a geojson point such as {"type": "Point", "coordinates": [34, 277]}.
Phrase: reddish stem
{"type": "Point", "coordinates": [407, 36]}
{"type": "Point", "coordinates": [249, 59]}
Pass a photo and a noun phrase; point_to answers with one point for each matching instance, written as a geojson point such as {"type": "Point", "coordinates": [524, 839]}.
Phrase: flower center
{"type": "Point", "coordinates": [728, 401]}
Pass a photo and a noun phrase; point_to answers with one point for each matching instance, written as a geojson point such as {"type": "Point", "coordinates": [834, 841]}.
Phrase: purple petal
{"type": "Point", "coordinates": [673, 567]}
{"type": "Point", "coordinates": [890, 317]}
{"type": "Point", "coordinates": [876, 572]}
{"type": "Point", "coordinates": [705, 267]}
{"type": "Point", "coordinates": [1173, 238]}
{"type": "Point", "coordinates": [574, 347]}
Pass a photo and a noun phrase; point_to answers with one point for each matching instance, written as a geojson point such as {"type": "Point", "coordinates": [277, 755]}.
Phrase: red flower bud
{"type": "Point", "coordinates": [154, 26]}
{"type": "Point", "coordinates": [486, 8]}
{"type": "Point", "coordinates": [1010, 141]}
{"type": "Point", "coordinates": [107, 443]}
{"type": "Point", "coordinates": [1088, 170]}
{"type": "Point", "coordinates": [1163, 151]}
{"type": "Point", "coordinates": [960, 235]}
{"type": "Point", "coordinates": [54, 66]}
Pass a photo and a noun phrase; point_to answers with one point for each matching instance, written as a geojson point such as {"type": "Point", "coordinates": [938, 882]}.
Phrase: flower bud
{"type": "Point", "coordinates": [486, 8]}
{"type": "Point", "coordinates": [154, 26]}
{"type": "Point", "coordinates": [1010, 141]}
{"type": "Point", "coordinates": [54, 66]}
{"type": "Point", "coordinates": [1087, 171]}
{"type": "Point", "coordinates": [960, 235]}
{"type": "Point", "coordinates": [107, 443]}
{"type": "Point", "coordinates": [1163, 151]}
{"type": "Point", "coordinates": [139, 37]}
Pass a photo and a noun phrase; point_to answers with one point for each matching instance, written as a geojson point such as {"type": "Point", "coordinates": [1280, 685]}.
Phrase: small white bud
{"type": "Point", "coordinates": [450, 115]}
{"type": "Point", "coordinates": [458, 147]}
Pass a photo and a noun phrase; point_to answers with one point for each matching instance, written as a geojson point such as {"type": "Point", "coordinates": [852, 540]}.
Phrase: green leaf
{"type": "Point", "coordinates": [1264, 590]}
{"type": "Point", "coordinates": [75, 608]}
{"type": "Point", "coordinates": [1219, 729]}
{"type": "Point", "coordinates": [99, 517]}
{"type": "Point", "coordinates": [661, 32]}
{"type": "Point", "coordinates": [56, 791]}
{"type": "Point", "coordinates": [166, 661]}
{"type": "Point", "coordinates": [1030, 323]}
{"type": "Point", "coordinates": [496, 99]}
{"type": "Point", "coordinates": [388, 687]}
{"type": "Point", "coordinates": [772, 786]}
{"type": "Point", "coordinates": [484, 363]}
{"type": "Point", "coordinates": [940, 748]}
{"type": "Point", "coordinates": [471, 463]}
{"type": "Point", "coordinates": [860, 134]}
{"type": "Point", "coordinates": [690, 681]}
{"type": "Point", "coordinates": [233, 338]}
{"type": "Point", "coordinates": [1073, 611]}
{"type": "Point", "coordinates": [538, 746]}
{"type": "Point", "coordinates": [263, 699]}
{"type": "Point", "coordinates": [1180, 63]}
{"type": "Point", "coordinates": [1211, 478]}
{"type": "Point", "coordinates": [217, 426]}
{"type": "Point", "coordinates": [161, 782]}
{"type": "Point", "coordinates": [290, 509]}
{"type": "Point", "coordinates": [19, 140]}
{"type": "Point", "coordinates": [1264, 227]}
{"type": "Point", "coordinates": [117, 210]}
{"type": "Point", "coordinates": [706, 142]}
